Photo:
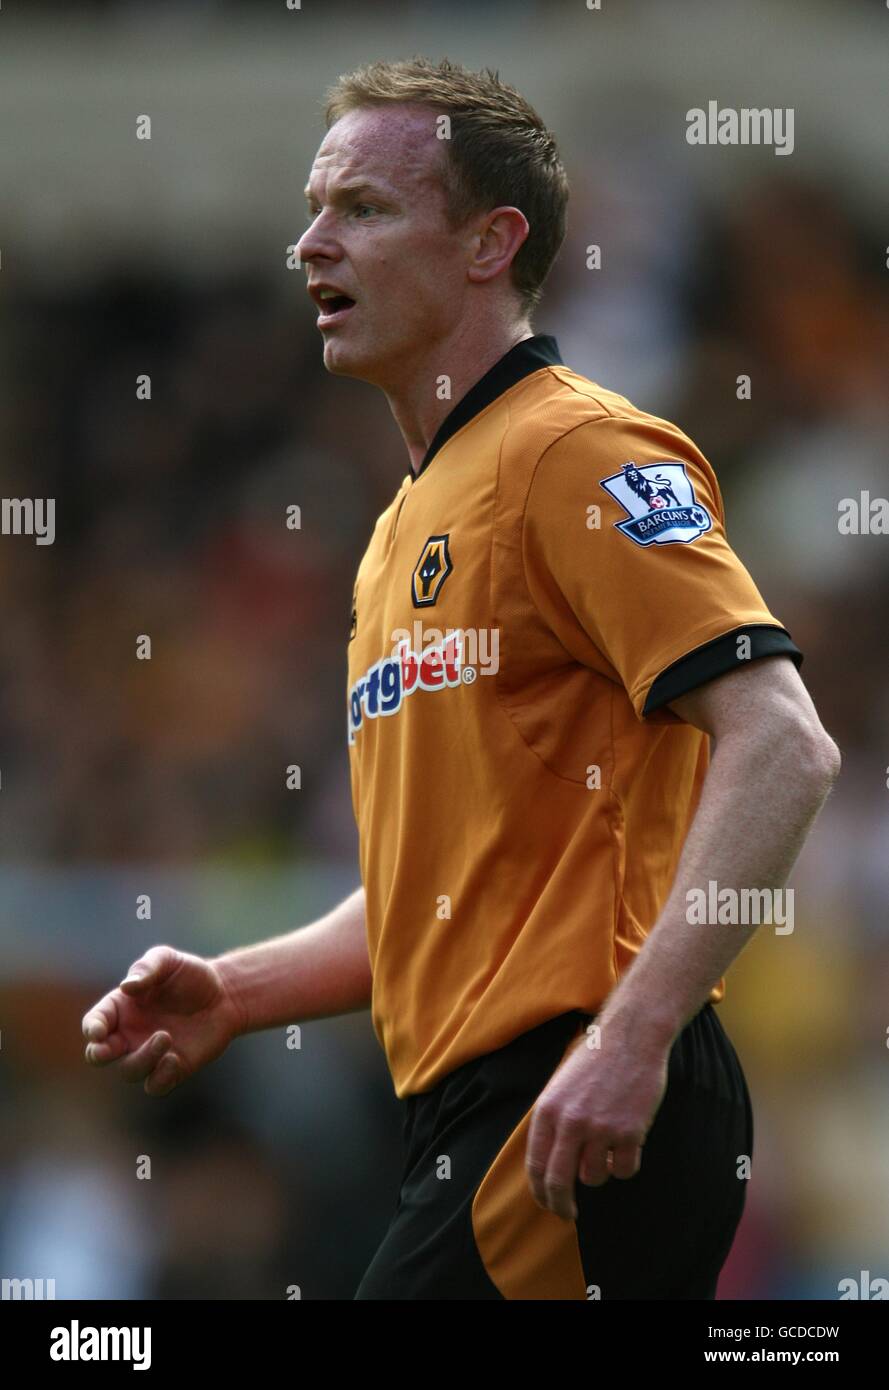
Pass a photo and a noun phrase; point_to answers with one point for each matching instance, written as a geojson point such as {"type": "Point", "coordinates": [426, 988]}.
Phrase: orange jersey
{"type": "Point", "coordinates": [554, 575]}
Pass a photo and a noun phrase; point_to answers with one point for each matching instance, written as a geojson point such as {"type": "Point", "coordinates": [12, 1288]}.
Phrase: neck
{"type": "Point", "coordinates": [463, 359]}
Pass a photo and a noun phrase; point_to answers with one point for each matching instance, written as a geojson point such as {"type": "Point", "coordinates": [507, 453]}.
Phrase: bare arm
{"type": "Point", "coordinates": [312, 972]}
{"type": "Point", "coordinates": [176, 1012]}
{"type": "Point", "coordinates": [772, 768]}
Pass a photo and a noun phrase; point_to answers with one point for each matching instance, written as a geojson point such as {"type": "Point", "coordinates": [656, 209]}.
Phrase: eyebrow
{"type": "Point", "coordinates": [356, 186]}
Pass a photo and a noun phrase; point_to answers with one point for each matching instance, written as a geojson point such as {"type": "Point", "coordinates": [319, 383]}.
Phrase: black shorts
{"type": "Point", "coordinates": [467, 1227]}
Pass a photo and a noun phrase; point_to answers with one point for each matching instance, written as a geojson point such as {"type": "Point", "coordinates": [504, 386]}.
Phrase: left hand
{"type": "Point", "coordinates": [599, 1100]}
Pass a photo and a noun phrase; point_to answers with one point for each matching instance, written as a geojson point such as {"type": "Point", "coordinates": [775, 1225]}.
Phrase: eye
{"type": "Point", "coordinates": [364, 207]}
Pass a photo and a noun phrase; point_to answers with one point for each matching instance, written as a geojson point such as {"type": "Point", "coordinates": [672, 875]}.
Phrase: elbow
{"type": "Point", "coordinates": [834, 760]}
{"type": "Point", "coordinates": [820, 756]}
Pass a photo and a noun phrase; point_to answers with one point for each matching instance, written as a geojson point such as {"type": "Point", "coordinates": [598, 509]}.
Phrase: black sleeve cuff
{"type": "Point", "coordinates": [715, 659]}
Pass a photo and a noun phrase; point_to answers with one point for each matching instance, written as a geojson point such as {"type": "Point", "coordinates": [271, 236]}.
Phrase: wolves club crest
{"type": "Point", "coordinates": [660, 504]}
{"type": "Point", "coordinates": [431, 571]}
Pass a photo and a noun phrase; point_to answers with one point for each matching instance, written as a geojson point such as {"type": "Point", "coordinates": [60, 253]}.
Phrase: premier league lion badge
{"type": "Point", "coordinates": [660, 504]}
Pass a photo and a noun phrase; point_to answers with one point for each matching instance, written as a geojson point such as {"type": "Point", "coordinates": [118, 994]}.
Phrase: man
{"type": "Point", "coordinates": [547, 626]}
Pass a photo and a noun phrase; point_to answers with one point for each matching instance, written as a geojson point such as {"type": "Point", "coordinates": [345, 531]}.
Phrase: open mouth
{"type": "Point", "coordinates": [334, 307]}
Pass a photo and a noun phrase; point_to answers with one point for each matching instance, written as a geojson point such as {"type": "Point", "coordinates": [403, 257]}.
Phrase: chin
{"type": "Point", "coordinates": [342, 359]}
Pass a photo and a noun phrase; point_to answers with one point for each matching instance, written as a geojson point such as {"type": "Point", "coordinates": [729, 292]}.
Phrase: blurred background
{"type": "Point", "coordinates": [279, 1166]}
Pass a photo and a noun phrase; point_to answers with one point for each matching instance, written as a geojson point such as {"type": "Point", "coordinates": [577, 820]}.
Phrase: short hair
{"type": "Point", "coordinates": [499, 153]}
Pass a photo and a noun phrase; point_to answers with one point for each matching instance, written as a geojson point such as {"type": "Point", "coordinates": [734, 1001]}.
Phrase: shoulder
{"type": "Point", "coordinates": [561, 407]}
{"type": "Point", "coordinates": [567, 430]}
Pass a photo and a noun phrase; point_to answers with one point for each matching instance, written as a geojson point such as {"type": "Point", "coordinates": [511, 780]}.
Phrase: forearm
{"type": "Point", "coordinates": [316, 971]}
{"type": "Point", "coordinates": [758, 802]}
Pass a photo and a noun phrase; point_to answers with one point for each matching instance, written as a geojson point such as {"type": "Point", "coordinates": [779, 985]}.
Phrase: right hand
{"type": "Point", "coordinates": [171, 1016]}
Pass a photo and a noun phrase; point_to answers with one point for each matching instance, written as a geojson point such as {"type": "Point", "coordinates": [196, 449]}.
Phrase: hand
{"type": "Point", "coordinates": [171, 1016]}
{"type": "Point", "coordinates": [600, 1100]}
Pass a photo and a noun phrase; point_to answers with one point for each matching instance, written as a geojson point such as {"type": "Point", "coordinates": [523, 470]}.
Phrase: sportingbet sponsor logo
{"type": "Point", "coordinates": [424, 660]}
{"type": "Point", "coordinates": [385, 687]}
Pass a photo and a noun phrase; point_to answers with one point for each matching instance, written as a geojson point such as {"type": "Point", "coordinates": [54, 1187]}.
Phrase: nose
{"type": "Point", "coordinates": [318, 242]}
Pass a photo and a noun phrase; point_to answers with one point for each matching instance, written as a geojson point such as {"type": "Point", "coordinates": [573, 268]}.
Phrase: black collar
{"type": "Point", "coordinates": [527, 356]}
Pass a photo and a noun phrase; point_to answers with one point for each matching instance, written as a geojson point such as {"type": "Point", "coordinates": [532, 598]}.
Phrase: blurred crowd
{"type": "Point", "coordinates": [172, 512]}
{"type": "Point", "coordinates": [277, 1169]}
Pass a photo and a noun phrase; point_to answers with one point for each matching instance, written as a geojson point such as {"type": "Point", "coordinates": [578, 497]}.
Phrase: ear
{"type": "Point", "coordinates": [498, 239]}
